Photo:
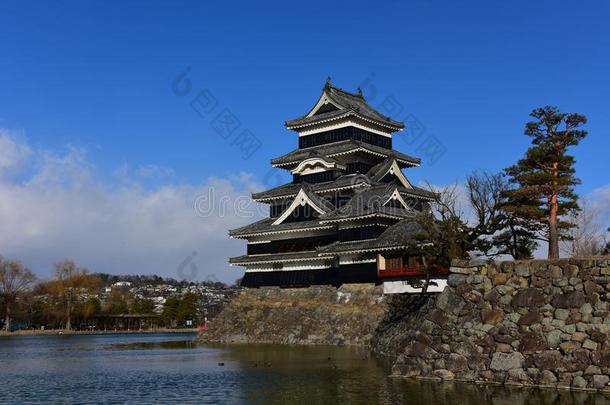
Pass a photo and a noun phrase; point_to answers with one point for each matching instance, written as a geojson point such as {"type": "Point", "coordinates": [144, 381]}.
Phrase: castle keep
{"type": "Point", "coordinates": [347, 216]}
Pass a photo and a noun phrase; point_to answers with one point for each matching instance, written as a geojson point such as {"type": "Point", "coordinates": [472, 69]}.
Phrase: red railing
{"type": "Point", "coordinates": [410, 272]}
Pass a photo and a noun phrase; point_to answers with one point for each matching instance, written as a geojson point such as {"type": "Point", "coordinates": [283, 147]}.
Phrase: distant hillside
{"type": "Point", "coordinates": [154, 280]}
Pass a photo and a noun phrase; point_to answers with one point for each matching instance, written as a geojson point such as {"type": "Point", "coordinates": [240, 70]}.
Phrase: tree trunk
{"type": "Point", "coordinates": [69, 311]}
{"type": "Point", "coordinates": [553, 211]}
{"type": "Point", "coordinates": [7, 318]}
{"type": "Point", "coordinates": [424, 288]}
{"type": "Point", "coordinates": [553, 228]}
{"type": "Point", "coordinates": [514, 248]}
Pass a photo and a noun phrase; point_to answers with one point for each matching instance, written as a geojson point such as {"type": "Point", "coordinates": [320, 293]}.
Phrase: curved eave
{"type": "Point", "coordinates": [264, 260]}
{"type": "Point", "coordinates": [263, 233]}
{"type": "Point", "coordinates": [355, 218]}
{"type": "Point", "coordinates": [294, 126]}
{"type": "Point", "coordinates": [371, 250]}
{"type": "Point", "coordinates": [409, 163]}
{"type": "Point", "coordinates": [329, 190]}
{"type": "Point", "coordinates": [418, 196]}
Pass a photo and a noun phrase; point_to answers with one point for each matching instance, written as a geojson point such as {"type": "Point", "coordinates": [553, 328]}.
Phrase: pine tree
{"type": "Point", "coordinates": [544, 179]}
{"type": "Point", "coordinates": [517, 237]}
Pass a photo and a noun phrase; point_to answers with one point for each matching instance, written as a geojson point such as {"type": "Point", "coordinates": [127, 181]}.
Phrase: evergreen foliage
{"type": "Point", "coordinates": [544, 179]}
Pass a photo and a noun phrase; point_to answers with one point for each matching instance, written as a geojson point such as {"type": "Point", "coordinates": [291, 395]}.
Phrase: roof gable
{"type": "Point", "coordinates": [373, 201]}
{"type": "Point", "coordinates": [324, 105]}
{"type": "Point", "coordinates": [305, 197]}
{"type": "Point", "coordinates": [396, 198]}
{"type": "Point", "coordinates": [335, 103]}
{"type": "Point", "coordinates": [316, 163]}
{"type": "Point", "coordinates": [389, 167]}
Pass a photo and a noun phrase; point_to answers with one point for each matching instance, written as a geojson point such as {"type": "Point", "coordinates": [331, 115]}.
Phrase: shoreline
{"type": "Point", "coordinates": [61, 332]}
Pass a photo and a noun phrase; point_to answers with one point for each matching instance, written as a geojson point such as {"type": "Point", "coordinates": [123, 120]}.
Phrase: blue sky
{"type": "Point", "coordinates": [93, 82]}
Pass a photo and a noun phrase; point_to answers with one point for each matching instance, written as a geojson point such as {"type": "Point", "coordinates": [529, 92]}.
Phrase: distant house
{"type": "Point", "coordinates": [121, 284]}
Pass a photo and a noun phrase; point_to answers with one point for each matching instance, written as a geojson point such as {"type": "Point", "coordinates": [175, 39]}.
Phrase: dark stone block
{"type": "Point", "coordinates": [598, 336]}
{"type": "Point", "coordinates": [548, 360]}
{"type": "Point", "coordinates": [573, 299]}
{"type": "Point", "coordinates": [423, 338]}
{"type": "Point", "coordinates": [438, 317]}
{"type": "Point", "coordinates": [592, 298]}
{"type": "Point", "coordinates": [493, 296]}
{"type": "Point", "coordinates": [507, 267]}
{"type": "Point", "coordinates": [503, 339]}
{"type": "Point", "coordinates": [487, 342]}
{"type": "Point", "coordinates": [406, 370]}
{"type": "Point", "coordinates": [478, 362]}
{"type": "Point", "coordinates": [601, 358]}
{"type": "Point", "coordinates": [463, 289]}
{"type": "Point", "coordinates": [528, 297]}
{"type": "Point", "coordinates": [455, 279]}
{"type": "Point", "coordinates": [492, 316]}
{"type": "Point", "coordinates": [577, 360]}
{"type": "Point", "coordinates": [456, 363]}
{"type": "Point", "coordinates": [530, 318]}
{"type": "Point", "coordinates": [540, 282]}
{"type": "Point", "coordinates": [473, 296]}
{"type": "Point", "coordinates": [531, 342]}
{"type": "Point", "coordinates": [464, 348]}
{"type": "Point", "coordinates": [416, 349]}
{"type": "Point", "coordinates": [540, 268]}
{"type": "Point", "coordinates": [591, 287]}
{"type": "Point", "coordinates": [449, 301]}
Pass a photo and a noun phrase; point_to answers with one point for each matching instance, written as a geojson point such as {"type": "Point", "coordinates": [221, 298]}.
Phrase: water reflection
{"type": "Point", "coordinates": [290, 375]}
{"type": "Point", "coordinates": [320, 375]}
{"type": "Point", "coordinates": [167, 369]}
{"type": "Point", "coordinates": [172, 344]}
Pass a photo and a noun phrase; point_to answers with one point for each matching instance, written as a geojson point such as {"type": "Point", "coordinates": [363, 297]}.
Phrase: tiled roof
{"type": "Point", "coordinates": [347, 104]}
{"type": "Point", "coordinates": [368, 202]}
{"type": "Point", "coordinates": [265, 226]}
{"type": "Point", "coordinates": [418, 192]}
{"type": "Point", "coordinates": [378, 171]}
{"type": "Point", "coordinates": [322, 203]}
{"type": "Point", "coordinates": [291, 189]}
{"type": "Point", "coordinates": [401, 234]}
{"type": "Point", "coordinates": [275, 258]}
{"type": "Point", "coordinates": [346, 181]}
{"type": "Point", "coordinates": [342, 147]}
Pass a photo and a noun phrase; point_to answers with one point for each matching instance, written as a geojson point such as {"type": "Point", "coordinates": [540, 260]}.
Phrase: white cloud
{"type": "Point", "coordinates": [599, 199]}
{"type": "Point", "coordinates": [155, 172]}
{"type": "Point", "coordinates": [13, 154]}
{"type": "Point", "coordinates": [61, 211]}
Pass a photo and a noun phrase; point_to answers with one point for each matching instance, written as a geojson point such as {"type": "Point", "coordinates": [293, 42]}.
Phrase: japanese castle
{"type": "Point", "coordinates": [347, 215]}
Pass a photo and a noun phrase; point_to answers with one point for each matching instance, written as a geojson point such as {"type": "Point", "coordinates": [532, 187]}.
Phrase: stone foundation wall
{"type": "Point", "coordinates": [399, 324]}
{"type": "Point", "coordinates": [348, 315]}
{"type": "Point", "coordinates": [532, 322]}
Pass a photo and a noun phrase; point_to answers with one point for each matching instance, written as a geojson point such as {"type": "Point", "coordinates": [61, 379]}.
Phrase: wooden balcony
{"type": "Point", "coordinates": [396, 268]}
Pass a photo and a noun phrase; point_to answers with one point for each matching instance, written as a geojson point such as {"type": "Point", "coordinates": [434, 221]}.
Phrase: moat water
{"type": "Point", "coordinates": [167, 368]}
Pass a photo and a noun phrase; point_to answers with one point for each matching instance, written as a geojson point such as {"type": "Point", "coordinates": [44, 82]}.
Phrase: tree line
{"type": "Point", "coordinates": [528, 204]}
{"type": "Point", "coordinates": [72, 298]}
